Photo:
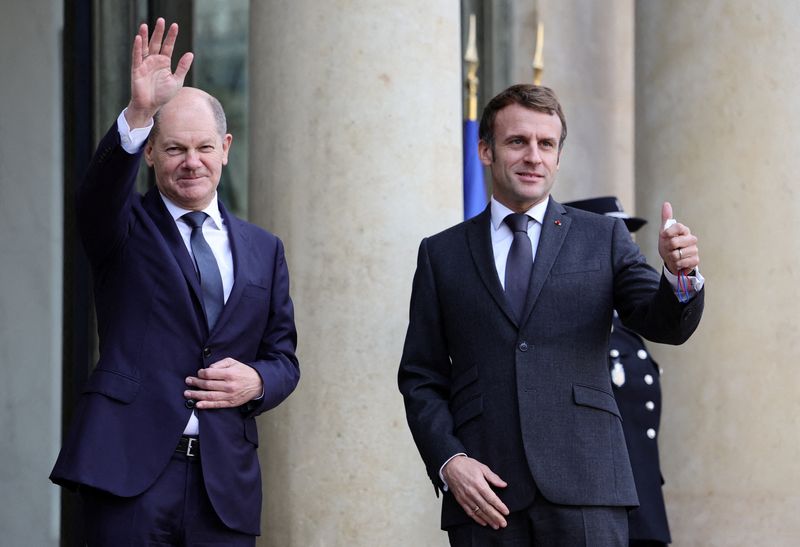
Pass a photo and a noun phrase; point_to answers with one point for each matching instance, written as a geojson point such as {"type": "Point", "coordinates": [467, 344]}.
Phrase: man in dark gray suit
{"type": "Point", "coordinates": [504, 370]}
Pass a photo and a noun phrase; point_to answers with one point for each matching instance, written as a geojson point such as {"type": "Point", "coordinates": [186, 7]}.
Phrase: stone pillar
{"type": "Point", "coordinates": [31, 206]}
{"type": "Point", "coordinates": [588, 61]}
{"type": "Point", "coordinates": [718, 134]}
{"type": "Point", "coordinates": [356, 155]}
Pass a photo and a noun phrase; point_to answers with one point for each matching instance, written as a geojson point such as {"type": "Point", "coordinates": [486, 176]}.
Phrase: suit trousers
{"type": "Point", "coordinates": [546, 524]}
{"type": "Point", "coordinates": [175, 511]}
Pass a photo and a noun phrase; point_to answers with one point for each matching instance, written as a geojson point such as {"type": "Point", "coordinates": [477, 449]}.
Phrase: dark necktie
{"type": "Point", "coordinates": [207, 268]}
{"type": "Point", "coordinates": [519, 263]}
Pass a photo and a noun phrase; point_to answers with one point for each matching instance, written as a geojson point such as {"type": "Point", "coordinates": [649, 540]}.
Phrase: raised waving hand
{"type": "Point", "coordinates": [153, 83]}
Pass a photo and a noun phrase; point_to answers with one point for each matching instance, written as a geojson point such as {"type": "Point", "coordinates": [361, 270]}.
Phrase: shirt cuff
{"type": "Point", "coordinates": [445, 488]}
{"type": "Point", "coordinates": [132, 140]}
{"type": "Point", "coordinates": [696, 281]}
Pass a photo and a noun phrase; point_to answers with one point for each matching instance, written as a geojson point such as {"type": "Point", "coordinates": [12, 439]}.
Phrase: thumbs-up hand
{"type": "Point", "coordinates": [676, 244]}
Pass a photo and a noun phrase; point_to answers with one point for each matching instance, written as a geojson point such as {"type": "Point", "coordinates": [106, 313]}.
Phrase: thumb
{"type": "Point", "coordinates": [184, 65]}
{"type": "Point", "coordinates": [666, 213]}
{"type": "Point", "coordinates": [224, 363]}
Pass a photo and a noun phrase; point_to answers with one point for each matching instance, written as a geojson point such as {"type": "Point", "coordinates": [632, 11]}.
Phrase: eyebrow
{"type": "Point", "coordinates": [177, 142]}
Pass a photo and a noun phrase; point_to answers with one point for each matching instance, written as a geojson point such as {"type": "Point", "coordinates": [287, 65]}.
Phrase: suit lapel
{"type": "Point", "coordinates": [240, 248]}
{"type": "Point", "coordinates": [554, 230]}
{"type": "Point", "coordinates": [479, 241]}
{"type": "Point", "coordinates": [155, 207]}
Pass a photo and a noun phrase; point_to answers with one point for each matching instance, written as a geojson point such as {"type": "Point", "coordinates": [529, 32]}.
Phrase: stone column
{"type": "Point", "coordinates": [356, 155]}
{"type": "Point", "coordinates": [718, 134]}
{"type": "Point", "coordinates": [31, 247]}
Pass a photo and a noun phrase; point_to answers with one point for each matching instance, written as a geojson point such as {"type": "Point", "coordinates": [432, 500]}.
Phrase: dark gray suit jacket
{"type": "Point", "coordinates": [532, 400]}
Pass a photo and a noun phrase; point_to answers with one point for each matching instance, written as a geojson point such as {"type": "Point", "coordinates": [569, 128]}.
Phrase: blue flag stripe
{"type": "Point", "coordinates": [474, 189]}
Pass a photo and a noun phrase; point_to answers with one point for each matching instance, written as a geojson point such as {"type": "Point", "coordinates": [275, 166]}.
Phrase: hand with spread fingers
{"type": "Point", "coordinates": [676, 244]}
{"type": "Point", "coordinates": [470, 481]}
{"type": "Point", "coordinates": [153, 83]}
{"type": "Point", "coordinates": [225, 384]}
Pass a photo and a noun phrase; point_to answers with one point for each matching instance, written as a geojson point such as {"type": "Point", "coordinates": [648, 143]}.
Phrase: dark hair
{"type": "Point", "coordinates": [216, 110]}
{"type": "Point", "coordinates": [534, 97]}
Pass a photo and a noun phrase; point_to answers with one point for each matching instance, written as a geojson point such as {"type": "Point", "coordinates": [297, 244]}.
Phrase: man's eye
{"type": "Point", "coordinates": [206, 148]}
{"type": "Point", "coordinates": [173, 150]}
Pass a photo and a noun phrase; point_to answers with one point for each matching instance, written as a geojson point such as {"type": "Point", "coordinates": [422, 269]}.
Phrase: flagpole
{"type": "Point", "coordinates": [474, 189]}
{"type": "Point", "coordinates": [538, 57]}
{"type": "Point", "coordinates": [471, 58]}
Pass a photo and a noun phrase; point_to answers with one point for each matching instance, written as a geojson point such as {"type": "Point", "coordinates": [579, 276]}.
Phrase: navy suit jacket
{"type": "Point", "coordinates": [531, 399]}
{"type": "Point", "coordinates": [153, 334]}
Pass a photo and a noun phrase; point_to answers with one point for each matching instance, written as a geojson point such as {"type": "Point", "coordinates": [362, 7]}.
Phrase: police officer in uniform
{"type": "Point", "coordinates": [635, 377]}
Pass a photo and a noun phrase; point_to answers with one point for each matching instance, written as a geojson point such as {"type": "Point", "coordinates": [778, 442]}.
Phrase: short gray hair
{"type": "Point", "coordinates": [216, 110]}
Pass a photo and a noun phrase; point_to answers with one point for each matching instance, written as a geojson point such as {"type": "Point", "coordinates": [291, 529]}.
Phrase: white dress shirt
{"type": "Point", "coordinates": [502, 236]}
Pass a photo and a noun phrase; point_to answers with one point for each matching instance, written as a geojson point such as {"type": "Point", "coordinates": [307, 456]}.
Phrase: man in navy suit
{"type": "Point", "coordinates": [504, 369]}
{"type": "Point", "coordinates": [195, 323]}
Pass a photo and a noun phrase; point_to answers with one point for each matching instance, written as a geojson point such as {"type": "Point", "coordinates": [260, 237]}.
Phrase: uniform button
{"type": "Point", "coordinates": [648, 379]}
{"type": "Point", "coordinates": [650, 405]}
{"type": "Point", "coordinates": [651, 433]}
{"type": "Point", "coordinates": [523, 346]}
{"type": "Point", "coordinates": [641, 354]}
{"type": "Point", "coordinates": [206, 352]}
{"type": "Point", "coordinates": [190, 403]}
{"type": "Point", "coordinates": [614, 353]}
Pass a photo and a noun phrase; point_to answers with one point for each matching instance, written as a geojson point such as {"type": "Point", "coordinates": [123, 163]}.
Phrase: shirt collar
{"type": "Point", "coordinates": [500, 212]}
{"type": "Point", "coordinates": [212, 210]}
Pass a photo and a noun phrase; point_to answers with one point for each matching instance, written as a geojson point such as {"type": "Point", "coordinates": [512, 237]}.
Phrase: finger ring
{"type": "Point", "coordinates": [680, 255]}
{"type": "Point", "coordinates": [477, 509]}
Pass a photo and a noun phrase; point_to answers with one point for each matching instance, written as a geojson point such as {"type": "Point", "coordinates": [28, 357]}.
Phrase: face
{"type": "Point", "coordinates": [525, 156]}
{"type": "Point", "coordinates": [188, 152]}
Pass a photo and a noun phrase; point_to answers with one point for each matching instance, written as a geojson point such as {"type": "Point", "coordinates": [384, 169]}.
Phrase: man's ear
{"type": "Point", "coordinates": [148, 153]}
{"type": "Point", "coordinates": [226, 147]}
{"type": "Point", "coordinates": [485, 152]}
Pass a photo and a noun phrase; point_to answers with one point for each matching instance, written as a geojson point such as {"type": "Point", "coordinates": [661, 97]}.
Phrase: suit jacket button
{"type": "Point", "coordinates": [190, 403]}
{"type": "Point", "coordinates": [523, 346]}
{"type": "Point", "coordinates": [206, 352]}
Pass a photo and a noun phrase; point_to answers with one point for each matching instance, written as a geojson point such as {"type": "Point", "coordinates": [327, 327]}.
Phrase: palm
{"type": "Point", "coordinates": [153, 83]}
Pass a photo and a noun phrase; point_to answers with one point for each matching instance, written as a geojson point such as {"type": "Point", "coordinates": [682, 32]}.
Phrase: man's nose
{"type": "Point", "coordinates": [532, 154]}
{"type": "Point", "coordinates": [192, 159]}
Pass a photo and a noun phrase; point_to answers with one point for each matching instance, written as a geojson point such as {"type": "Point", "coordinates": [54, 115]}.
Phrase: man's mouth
{"type": "Point", "coordinates": [190, 178]}
{"type": "Point", "coordinates": [529, 176]}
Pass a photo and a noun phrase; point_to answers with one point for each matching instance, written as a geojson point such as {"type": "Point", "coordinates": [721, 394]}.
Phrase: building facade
{"type": "Point", "coordinates": [347, 126]}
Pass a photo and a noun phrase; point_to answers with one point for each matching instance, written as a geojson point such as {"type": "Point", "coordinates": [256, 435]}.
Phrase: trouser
{"type": "Point", "coordinates": [175, 511]}
{"type": "Point", "coordinates": [546, 524]}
